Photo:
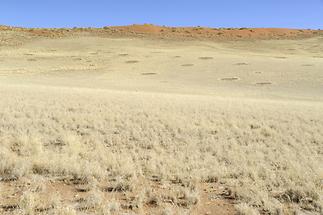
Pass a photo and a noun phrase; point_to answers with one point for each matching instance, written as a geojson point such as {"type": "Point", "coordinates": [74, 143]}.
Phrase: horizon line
{"type": "Point", "coordinates": [157, 25]}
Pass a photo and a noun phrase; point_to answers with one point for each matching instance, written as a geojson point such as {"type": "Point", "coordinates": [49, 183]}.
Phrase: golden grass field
{"type": "Point", "coordinates": [102, 125]}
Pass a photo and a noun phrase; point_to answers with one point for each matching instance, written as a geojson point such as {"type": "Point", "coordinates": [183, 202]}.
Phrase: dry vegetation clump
{"type": "Point", "coordinates": [153, 149]}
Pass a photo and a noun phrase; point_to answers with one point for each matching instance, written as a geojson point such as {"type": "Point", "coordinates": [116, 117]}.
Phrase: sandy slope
{"type": "Point", "coordinates": [161, 124]}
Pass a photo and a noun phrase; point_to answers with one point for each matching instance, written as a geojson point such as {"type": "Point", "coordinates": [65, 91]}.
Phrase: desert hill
{"type": "Point", "coordinates": [148, 30]}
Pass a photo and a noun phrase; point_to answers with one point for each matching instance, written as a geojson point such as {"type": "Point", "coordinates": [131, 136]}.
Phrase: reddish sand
{"type": "Point", "coordinates": [148, 30]}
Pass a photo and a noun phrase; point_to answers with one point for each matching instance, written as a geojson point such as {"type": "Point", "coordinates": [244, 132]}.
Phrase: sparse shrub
{"type": "Point", "coordinates": [187, 197]}
{"type": "Point", "coordinates": [211, 179]}
{"type": "Point", "coordinates": [306, 199]}
{"type": "Point", "coordinates": [119, 185]}
{"type": "Point", "coordinates": [151, 198]}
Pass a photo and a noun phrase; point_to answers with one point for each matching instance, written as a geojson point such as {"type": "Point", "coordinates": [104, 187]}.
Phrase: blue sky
{"type": "Point", "coordinates": [211, 13]}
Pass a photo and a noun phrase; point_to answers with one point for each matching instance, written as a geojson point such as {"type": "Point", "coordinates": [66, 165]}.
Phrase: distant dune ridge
{"type": "Point", "coordinates": [197, 32]}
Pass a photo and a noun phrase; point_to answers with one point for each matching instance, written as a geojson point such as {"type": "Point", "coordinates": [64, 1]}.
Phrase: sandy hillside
{"type": "Point", "coordinates": [157, 120]}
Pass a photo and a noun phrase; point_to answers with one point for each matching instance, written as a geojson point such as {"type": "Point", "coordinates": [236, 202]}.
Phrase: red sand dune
{"type": "Point", "coordinates": [212, 33]}
{"type": "Point", "coordinates": [177, 32]}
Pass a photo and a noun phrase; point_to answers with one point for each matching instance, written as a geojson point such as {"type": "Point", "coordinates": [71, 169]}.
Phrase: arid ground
{"type": "Point", "coordinates": [157, 120]}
